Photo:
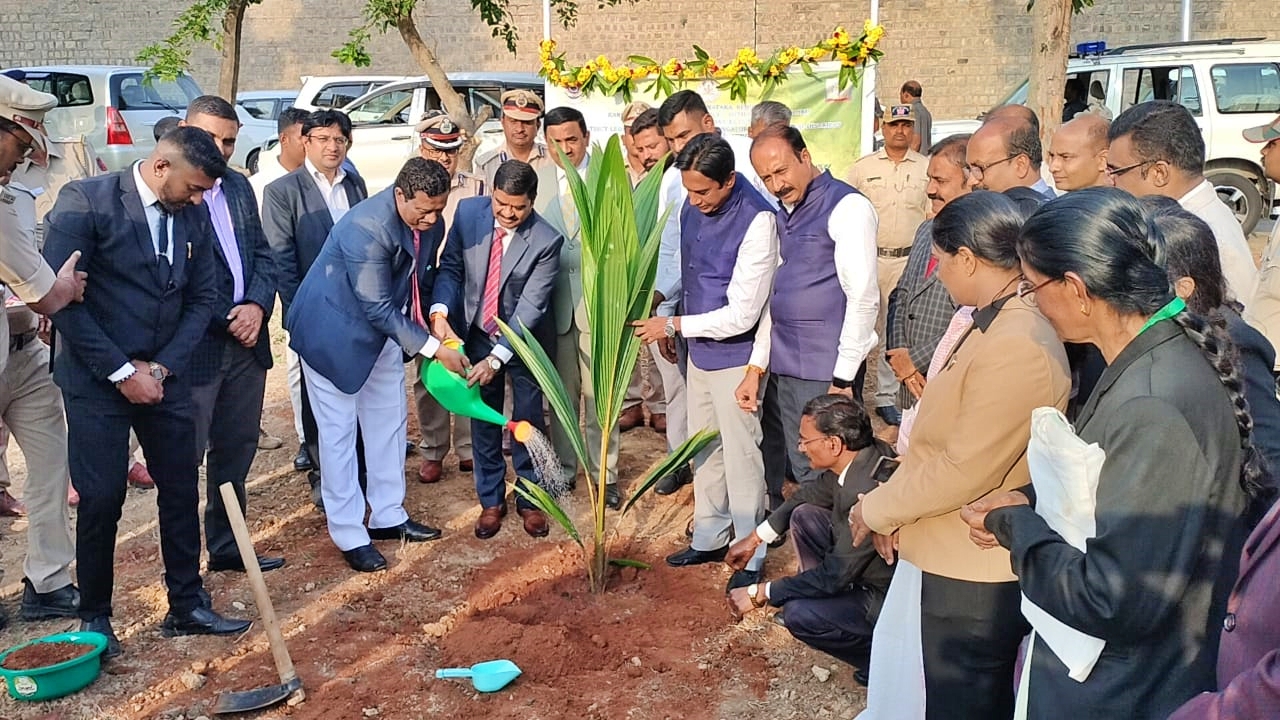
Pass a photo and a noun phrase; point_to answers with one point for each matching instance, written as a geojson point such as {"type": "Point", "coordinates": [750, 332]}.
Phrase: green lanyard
{"type": "Point", "coordinates": [1173, 307]}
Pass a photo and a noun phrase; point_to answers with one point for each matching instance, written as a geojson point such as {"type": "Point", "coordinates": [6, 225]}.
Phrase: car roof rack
{"type": "Point", "coordinates": [1187, 43]}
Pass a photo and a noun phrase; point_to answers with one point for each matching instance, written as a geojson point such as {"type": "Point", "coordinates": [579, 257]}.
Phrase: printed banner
{"type": "Point", "coordinates": [829, 118]}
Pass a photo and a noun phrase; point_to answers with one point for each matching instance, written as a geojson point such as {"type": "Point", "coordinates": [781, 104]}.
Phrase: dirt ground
{"type": "Point", "coordinates": [660, 644]}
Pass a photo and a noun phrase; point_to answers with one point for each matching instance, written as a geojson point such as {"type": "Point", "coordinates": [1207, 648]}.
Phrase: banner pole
{"type": "Point", "coordinates": [546, 19]}
{"type": "Point", "coordinates": [867, 136]}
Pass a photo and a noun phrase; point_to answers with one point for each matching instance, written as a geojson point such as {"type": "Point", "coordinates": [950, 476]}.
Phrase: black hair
{"type": "Point", "coordinates": [645, 121]}
{"type": "Point", "coordinates": [516, 177]}
{"type": "Point", "coordinates": [985, 222]}
{"type": "Point", "coordinates": [1024, 139]}
{"type": "Point", "coordinates": [841, 417]}
{"type": "Point", "coordinates": [289, 117]}
{"type": "Point", "coordinates": [1111, 241]}
{"type": "Point", "coordinates": [1190, 251]}
{"type": "Point", "coordinates": [561, 115]}
{"type": "Point", "coordinates": [197, 149]}
{"type": "Point", "coordinates": [953, 148]}
{"type": "Point", "coordinates": [786, 133]}
{"type": "Point", "coordinates": [213, 106]}
{"type": "Point", "coordinates": [710, 155]}
{"type": "Point", "coordinates": [164, 125]}
{"type": "Point", "coordinates": [679, 102]}
{"type": "Point", "coordinates": [912, 88]}
{"type": "Point", "coordinates": [1161, 130]}
{"type": "Point", "coordinates": [420, 175]}
{"type": "Point", "coordinates": [325, 118]}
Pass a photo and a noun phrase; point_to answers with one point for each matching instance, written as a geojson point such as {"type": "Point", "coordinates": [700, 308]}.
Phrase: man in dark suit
{"type": "Point", "coordinates": [355, 316]}
{"type": "Point", "coordinates": [920, 308]}
{"type": "Point", "coordinates": [500, 262]}
{"type": "Point", "coordinates": [229, 367]}
{"type": "Point", "coordinates": [124, 358]}
{"type": "Point", "coordinates": [298, 211]}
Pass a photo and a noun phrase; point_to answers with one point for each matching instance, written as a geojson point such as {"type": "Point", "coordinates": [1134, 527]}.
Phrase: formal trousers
{"type": "Point", "coordinates": [646, 385]}
{"type": "Point", "coordinates": [969, 635]}
{"type": "Point", "coordinates": [784, 399]}
{"type": "Point", "coordinates": [486, 438]}
{"type": "Point", "coordinates": [293, 369]}
{"type": "Point", "coordinates": [836, 625]}
{"type": "Point", "coordinates": [381, 410]}
{"type": "Point", "coordinates": [228, 413]}
{"type": "Point", "coordinates": [888, 272]}
{"type": "Point", "coordinates": [434, 423]}
{"type": "Point", "coordinates": [98, 423]}
{"type": "Point", "coordinates": [728, 475]}
{"type": "Point", "coordinates": [674, 391]}
{"type": "Point", "coordinates": [573, 361]}
{"type": "Point", "coordinates": [31, 407]}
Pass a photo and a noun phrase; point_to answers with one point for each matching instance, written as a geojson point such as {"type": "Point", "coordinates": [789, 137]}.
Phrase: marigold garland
{"type": "Point", "coordinates": [746, 69]}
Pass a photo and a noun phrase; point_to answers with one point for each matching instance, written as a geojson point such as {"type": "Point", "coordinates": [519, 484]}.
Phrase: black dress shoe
{"type": "Point", "coordinates": [689, 556]}
{"type": "Point", "coordinates": [265, 564]}
{"type": "Point", "coordinates": [102, 625]}
{"type": "Point", "coordinates": [317, 498]}
{"type": "Point", "coordinates": [63, 602]}
{"type": "Point", "coordinates": [365, 559]}
{"type": "Point", "coordinates": [668, 484]}
{"type": "Point", "coordinates": [201, 621]}
{"type": "Point", "coordinates": [407, 530]}
{"type": "Point", "coordinates": [302, 461]}
{"type": "Point", "coordinates": [742, 578]}
{"type": "Point", "coordinates": [612, 497]}
{"type": "Point", "coordinates": [890, 415]}
{"type": "Point", "coordinates": [862, 676]}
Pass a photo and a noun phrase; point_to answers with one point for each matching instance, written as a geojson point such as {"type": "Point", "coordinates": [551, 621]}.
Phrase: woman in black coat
{"type": "Point", "coordinates": [1170, 414]}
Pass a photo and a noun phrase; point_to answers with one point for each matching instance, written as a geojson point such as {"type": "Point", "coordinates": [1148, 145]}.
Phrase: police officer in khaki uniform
{"type": "Point", "coordinates": [521, 110]}
{"type": "Point", "coordinates": [895, 180]}
{"type": "Point", "coordinates": [30, 404]}
{"type": "Point", "coordinates": [439, 140]}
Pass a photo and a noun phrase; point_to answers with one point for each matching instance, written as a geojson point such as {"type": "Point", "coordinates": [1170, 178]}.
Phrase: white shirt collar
{"type": "Point", "coordinates": [844, 472]}
{"type": "Point", "coordinates": [144, 193]}
{"type": "Point", "coordinates": [315, 173]}
{"type": "Point", "coordinates": [1194, 194]}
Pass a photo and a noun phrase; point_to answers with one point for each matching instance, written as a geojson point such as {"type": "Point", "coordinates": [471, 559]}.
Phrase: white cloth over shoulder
{"type": "Point", "coordinates": [896, 687]}
{"type": "Point", "coordinates": [1064, 473]}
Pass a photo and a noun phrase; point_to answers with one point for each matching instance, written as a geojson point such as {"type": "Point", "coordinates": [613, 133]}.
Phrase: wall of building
{"type": "Point", "coordinates": [966, 54]}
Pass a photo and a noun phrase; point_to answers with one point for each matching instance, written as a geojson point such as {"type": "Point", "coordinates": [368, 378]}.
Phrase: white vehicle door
{"type": "Point", "coordinates": [381, 127]}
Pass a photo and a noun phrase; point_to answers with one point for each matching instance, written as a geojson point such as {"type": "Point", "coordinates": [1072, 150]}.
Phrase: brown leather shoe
{"type": "Point", "coordinates": [535, 522]}
{"type": "Point", "coordinates": [658, 421]}
{"type": "Point", "coordinates": [490, 521]}
{"type": "Point", "coordinates": [466, 465]}
{"type": "Point", "coordinates": [11, 506]}
{"type": "Point", "coordinates": [430, 471]}
{"type": "Point", "coordinates": [631, 418]}
{"type": "Point", "coordinates": [140, 478]}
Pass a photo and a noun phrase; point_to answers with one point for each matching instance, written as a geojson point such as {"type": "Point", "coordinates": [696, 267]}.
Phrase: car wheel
{"type": "Point", "coordinates": [1241, 194]}
{"type": "Point", "coordinates": [251, 162]}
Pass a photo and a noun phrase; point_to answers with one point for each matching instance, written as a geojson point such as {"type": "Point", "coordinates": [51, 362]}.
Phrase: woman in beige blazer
{"type": "Point", "coordinates": [970, 441]}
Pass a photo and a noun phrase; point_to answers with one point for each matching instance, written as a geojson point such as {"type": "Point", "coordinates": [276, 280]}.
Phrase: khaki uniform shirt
{"type": "Point", "coordinates": [487, 165]}
{"type": "Point", "coordinates": [69, 159]}
{"type": "Point", "coordinates": [898, 191]}
{"type": "Point", "coordinates": [22, 268]}
{"type": "Point", "coordinates": [464, 186]}
{"type": "Point", "coordinates": [1263, 310]}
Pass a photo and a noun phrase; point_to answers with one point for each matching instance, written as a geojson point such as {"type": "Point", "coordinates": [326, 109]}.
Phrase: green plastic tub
{"type": "Point", "coordinates": [55, 681]}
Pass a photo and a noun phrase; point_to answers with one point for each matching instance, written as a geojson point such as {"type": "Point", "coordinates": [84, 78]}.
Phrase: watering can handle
{"type": "Point", "coordinates": [445, 673]}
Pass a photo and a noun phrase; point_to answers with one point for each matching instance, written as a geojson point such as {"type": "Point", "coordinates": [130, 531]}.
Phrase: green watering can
{"type": "Point", "coordinates": [451, 391]}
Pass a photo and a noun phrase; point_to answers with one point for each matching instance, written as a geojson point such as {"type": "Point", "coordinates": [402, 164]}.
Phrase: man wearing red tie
{"type": "Point", "coordinates": [354, 318]}
{"type": "Point", "coordinates": [500, 262]}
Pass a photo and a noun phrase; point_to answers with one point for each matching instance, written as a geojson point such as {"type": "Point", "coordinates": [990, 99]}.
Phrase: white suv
{"type": "Point", "coordinates": [1228, 85]}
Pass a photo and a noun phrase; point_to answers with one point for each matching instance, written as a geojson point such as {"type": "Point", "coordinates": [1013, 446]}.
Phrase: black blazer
{"type": "Point", "coordinates": [296, 221]}
{"type": "Point", "coordinates": [258, 266]}
{"type": "Point", "coordinates": [126, 314]}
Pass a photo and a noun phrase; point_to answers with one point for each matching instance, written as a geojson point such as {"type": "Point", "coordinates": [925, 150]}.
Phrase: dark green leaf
{"type": "Point", "coordinates": [542, 500]}
{"type": "Point", "coordinates": [627, 562]}
{"type": "Point", "coordinates": [678, 457]}
{"type": "Point", "coordinates": [641, 60]}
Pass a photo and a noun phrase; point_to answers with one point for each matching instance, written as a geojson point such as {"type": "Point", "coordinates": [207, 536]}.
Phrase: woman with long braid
{"type": "Point", "coordinates": [1171, 416]}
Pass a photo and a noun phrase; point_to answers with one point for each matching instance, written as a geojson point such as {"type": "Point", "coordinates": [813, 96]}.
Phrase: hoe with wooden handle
{"type": "Point", "coordinates": [290, 683]}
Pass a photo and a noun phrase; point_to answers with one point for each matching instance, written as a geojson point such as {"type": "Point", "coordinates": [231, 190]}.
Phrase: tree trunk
{"type": "Point", "coordinates": [229, 73]}
{"type": "Point", "coordinates": [1051, 37]}
{"type": "Point", "coordinates": [454, 104]}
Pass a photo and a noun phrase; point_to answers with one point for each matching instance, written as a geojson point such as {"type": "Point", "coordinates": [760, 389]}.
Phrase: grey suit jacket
{"type": "Point", "coordinates": [296, 221]}
{"type": "Point", "coordinates": [562, 214]}
{"type": "Point", "coordinates": [529, 268]}
{"type": "Point", "coordinates": [920, 309]}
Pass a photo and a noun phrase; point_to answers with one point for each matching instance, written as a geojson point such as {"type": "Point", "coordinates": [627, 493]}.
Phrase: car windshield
{"type": "Point", "coordinates": [136, 92]}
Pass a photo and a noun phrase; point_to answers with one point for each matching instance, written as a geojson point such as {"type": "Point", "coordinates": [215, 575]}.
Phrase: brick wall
{"type": "Point", "coordinates": [966, 53]}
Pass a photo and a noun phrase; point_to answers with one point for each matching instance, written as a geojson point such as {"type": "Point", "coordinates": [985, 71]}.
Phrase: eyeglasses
{"type": "Point", "coordinates": [978, 170]}
{"type": "Point", "coordinates": [1027, 290]}
{"type": "Point", "coordinates": [27, 147]}
{"type": "Point", "coordinates": [1115, 172]}
{"type": "Point", "coordinates": [802, 444]}
{"type": "Point", "coordinates": [338, 140]}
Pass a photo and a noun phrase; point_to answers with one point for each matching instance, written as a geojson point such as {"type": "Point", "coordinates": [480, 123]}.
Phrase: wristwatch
{"type": "Point", "coordinates": [757, 597]}
{"type": "Point", "coordinates": [157, 372]}
{"type": "Point", "coordinates": [494, 363]}
{"type": "Point", "coordinates": [670, 327]}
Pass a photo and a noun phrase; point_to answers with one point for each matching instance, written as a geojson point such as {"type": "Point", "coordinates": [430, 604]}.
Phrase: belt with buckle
{"type": "Point", "coordinates": [17, 342]}
{"type": "Point", "coordinates": [894, 252]}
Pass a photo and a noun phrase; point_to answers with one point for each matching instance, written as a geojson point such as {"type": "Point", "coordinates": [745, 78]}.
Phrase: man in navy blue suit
{"type": "Point", "coordinates": [123, 359]}
{"type": "Point", "coordinates": [354, 317]}
{"type": "Point", "coordinates": [500, 262]}
{"type": "Point", "coordinates": [229, 367]}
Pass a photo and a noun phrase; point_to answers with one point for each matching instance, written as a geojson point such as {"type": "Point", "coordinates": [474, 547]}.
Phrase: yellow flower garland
{"type": "Point", "coordinates": [746, 69]}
